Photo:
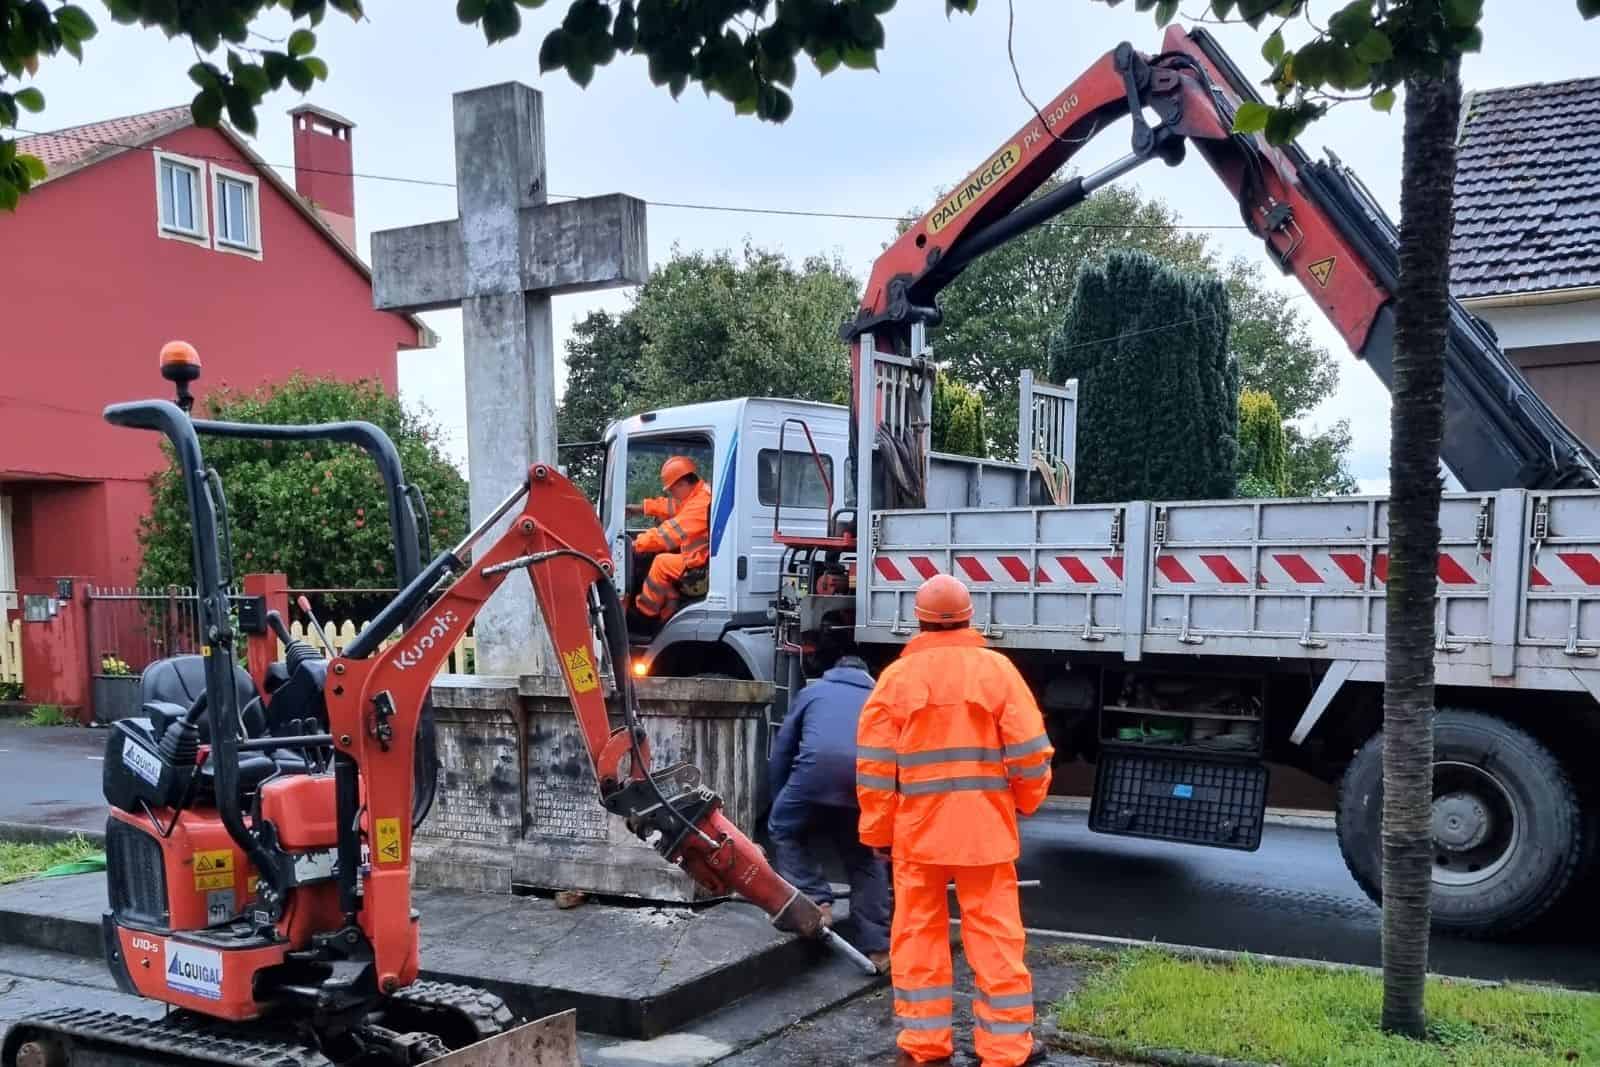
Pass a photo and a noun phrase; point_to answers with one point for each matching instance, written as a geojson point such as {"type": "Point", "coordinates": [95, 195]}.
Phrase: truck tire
{"type": "Point", "coordinates": [1508, 824]}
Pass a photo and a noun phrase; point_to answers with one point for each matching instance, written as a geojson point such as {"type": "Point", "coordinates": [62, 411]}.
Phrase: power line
{"type": "Point", "coordinates": [731, 209]}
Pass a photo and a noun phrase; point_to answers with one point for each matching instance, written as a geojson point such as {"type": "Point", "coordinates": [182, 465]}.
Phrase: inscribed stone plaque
{"type": "Point", "coordinates": [563, 800]}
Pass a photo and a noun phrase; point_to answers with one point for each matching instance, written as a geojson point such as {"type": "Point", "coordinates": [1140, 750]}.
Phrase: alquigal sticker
{"type": "Point", "coordinates": [141, 761]}
{"type": "Point", "coordinates": [196, 971]}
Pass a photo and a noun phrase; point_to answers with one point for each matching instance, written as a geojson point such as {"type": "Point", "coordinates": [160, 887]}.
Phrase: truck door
{"type": "Point", "coordinates": [797, 475]}
{"type": "Point", "coordinates": [633, 473]}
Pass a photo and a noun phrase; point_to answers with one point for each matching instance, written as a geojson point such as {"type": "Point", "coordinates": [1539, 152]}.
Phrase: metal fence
{"type": "Point", "coordinates": [139, 626]}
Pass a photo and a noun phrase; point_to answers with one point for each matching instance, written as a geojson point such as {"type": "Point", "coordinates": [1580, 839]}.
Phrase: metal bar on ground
{"type": "Point", "coordinates": [849, 952]}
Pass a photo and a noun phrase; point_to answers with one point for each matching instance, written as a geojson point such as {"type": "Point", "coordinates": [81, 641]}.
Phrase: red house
{"type": "Point", "coordinates": [147, 229]}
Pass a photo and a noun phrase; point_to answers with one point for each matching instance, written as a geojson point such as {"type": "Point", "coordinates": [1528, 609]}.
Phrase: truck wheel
{"type": "Point", "coordinates": [1508, 828]}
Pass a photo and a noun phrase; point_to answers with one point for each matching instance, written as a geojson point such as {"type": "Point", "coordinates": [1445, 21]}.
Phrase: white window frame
{"type": "Point", "coordinates": [202, 207]}
{"type": "Point", "coordinates": [8, 560]}
{"type": "Point", "coordinates": [253, 183]}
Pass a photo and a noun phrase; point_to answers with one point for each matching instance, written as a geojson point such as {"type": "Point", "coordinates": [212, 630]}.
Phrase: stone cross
{"type": "Point", "coordinates": [501, 261]}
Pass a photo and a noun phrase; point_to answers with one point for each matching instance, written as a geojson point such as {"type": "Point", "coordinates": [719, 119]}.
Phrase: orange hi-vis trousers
{"type": "Point", "coordinates": [658, 596]}
{"type": "Point", "coordinates": [991, 935]}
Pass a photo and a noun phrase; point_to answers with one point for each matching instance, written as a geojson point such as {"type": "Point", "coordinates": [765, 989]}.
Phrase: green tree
{"type": "Point", "coordinates": [743, 50]}
{"type": "Point", "coordinates": [716, 326]}
{"type": "Point", "coordinates": [1158, 415]}
{"type": "Point", "coordinates": [314, 510]}
{"type": "Point", "coordinates": [1263, 455]}
{"type": "Point", "coordinates": [603, 380]}
{"type": "Point", "coordinates": [958, 419]}
{"type": "Point", "coordinates": [1316, 461]}
{"type": "Point", "coordinates": [708, 327]}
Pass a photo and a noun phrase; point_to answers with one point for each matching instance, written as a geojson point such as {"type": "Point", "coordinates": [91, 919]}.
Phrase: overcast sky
{"type": "Point", "coordinates": [864, 142]}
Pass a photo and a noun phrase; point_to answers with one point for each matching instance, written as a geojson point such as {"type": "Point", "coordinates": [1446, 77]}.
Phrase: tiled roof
{"type": "Point", "coordinates": [67, 150]}
{"type": "Point", "coordinates": [1528, 190]}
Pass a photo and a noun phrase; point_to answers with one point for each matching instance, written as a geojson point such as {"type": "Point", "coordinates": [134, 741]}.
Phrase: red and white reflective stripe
{"type": "Point", "coordinates": [1185, 567]}
{"type": "Point", "coordinates": [910, 568]}
{"type": "Point", "coordinates": [1564, 569]}
{"type": "Point", "coordinates": [1334, 570]}
{"type": "Point", "coordinates": [1080, 567]}
{"type": "Point", "coordinates": [1330, 569]}
{"type": "Point", "coordinates": [1056, 569]}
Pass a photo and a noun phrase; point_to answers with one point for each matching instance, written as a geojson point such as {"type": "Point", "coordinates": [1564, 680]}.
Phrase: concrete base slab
{"type": "Point", "coordinates": [630, 972]}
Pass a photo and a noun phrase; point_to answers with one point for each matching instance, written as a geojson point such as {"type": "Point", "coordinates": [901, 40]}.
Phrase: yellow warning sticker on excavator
{"type": "Point", "coordinates": [213, 870]}
{"type": "Point", "coordinates": [580, 668]}
{"type": "Point", "coordinates": [1322, 270]}
{"type": "Point", "coordinates": [390, 850]}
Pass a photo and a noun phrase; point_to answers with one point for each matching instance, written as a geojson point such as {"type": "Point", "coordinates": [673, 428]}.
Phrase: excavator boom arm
{"type": "Point", "coordinates": [375, 703]}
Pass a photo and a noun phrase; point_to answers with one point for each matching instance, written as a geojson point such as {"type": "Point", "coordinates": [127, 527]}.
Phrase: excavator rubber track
{"type": "Point", "coordinates": [71, 1037]}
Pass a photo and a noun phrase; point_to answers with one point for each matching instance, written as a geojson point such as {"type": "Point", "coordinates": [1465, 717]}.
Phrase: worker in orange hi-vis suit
{"type": "Point", "coordinates": [950, 748]}
{"type": "Point", "coordinates": [681, 540]}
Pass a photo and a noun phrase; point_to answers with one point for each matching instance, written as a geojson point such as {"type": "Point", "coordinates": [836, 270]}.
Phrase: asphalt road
{"type": "Point", "coordinates": [1293, 897]}
{"type": "Point", "coordinates": [51, 776]}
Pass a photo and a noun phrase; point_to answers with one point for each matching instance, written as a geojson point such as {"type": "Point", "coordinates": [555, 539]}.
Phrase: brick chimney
{"type": "Point", "coordinates": [322, 164]}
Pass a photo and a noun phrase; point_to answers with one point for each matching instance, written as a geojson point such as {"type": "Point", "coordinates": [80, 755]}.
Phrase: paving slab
{"type": "Point", "coordinates": [631, 972]}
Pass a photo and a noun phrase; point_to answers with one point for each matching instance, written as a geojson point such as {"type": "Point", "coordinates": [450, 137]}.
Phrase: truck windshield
{"type": "Point", "coordinates": [645, 457]}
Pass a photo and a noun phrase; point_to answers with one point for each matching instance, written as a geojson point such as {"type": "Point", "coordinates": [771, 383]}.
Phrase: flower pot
{"type": "Point", "coordinates": [116, 696]}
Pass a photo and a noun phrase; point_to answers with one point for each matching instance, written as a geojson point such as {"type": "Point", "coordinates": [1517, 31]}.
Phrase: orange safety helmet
{"type": "Point", "coordinates": [943, 598]}
{"type": "Point", "coordinates": [675, 469]}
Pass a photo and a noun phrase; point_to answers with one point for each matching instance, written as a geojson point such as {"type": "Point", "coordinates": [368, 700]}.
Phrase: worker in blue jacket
{"type": "Point", "coordinates": [812, 773]}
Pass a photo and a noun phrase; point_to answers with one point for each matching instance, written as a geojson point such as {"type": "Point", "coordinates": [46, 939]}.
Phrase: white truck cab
{"type": "Point", "coordinates": [767, 460]}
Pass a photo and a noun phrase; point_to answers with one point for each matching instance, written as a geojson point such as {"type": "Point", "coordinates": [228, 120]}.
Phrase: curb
{"type": "Point", "coordinates": [1228, 955]}
{"type": "Point", "coordinates": [1298, 818]}
{"type": "Point", "coordinates": [74, 937]}
{"type": "Point", "coordinates": [1084, 1044]}
{"type": "Point", "coordinates": [34, 834]}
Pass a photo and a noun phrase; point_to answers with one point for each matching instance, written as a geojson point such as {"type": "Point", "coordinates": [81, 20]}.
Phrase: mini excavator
{"type": "Point", "coordinates": [258, 842]}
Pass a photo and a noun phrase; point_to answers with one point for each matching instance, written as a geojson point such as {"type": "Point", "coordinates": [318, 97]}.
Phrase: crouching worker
{"type": "Point", "coordinates": [813, 776]}
{"type": "Point", "coordinates": [952, 749]}
{"type": "Point", "coordinates": [680, 541]}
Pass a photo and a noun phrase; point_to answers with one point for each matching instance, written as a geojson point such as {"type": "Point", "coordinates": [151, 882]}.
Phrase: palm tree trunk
{"type": "Point", "coordinates": [1433, 106]}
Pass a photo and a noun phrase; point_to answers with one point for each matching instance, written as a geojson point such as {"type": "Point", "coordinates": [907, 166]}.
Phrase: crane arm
{"type": "Point", "coordinates": [1314, 220]}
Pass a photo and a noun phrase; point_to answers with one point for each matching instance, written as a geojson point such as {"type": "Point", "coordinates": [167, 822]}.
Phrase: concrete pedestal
{"type": "Point", "coordinates": [518, 804]}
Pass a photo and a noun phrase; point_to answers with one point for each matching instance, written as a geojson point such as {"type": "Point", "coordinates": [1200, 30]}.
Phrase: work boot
{"type": "Point", "coordinates": [905, 1059]}
{"type": "Point", "coordinates": [1038, 1053]}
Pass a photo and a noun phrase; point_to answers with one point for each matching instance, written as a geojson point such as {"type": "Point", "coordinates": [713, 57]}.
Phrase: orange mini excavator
{"type": "Point", "coordinates": [258, 842]}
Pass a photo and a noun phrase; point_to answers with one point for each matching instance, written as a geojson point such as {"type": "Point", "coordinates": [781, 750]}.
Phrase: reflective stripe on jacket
{"type": "Point", "coordinates": [951, 746]}
{"type": "Point", "coordinates": [687, 532]}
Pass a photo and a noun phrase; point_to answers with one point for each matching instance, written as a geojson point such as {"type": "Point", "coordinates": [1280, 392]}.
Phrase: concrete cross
{"type": "Point", "coordinates": [500, 261]}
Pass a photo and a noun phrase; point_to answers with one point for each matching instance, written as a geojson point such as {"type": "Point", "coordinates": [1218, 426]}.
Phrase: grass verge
{"type": "Point", "coordinates": [19, 861]}
{"type": "Point", "coordinates": [1313, 1017]}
